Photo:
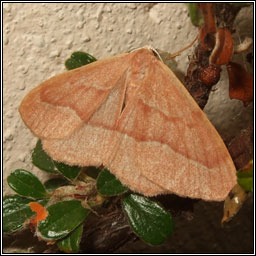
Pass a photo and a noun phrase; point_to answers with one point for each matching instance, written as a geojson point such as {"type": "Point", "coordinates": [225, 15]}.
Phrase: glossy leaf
{"type": "Point", "coordinates": [69, 172]}
{"type": "Point", "coordinates": [245, 180]}
{"type": "Point", "coordinates": [70, 244]}
{"type": "Point", "coordinates": [26, 184]}
{"type": "Point", "coordinates": [79, 59]}
{"type": "Point", "coordinates": [55, 183]}
{"type": "Point", "coordinates": [16, 212]}
{"type": "Point", "coordinates": [46, 163]}
{"type": "Point", "coordinates": [245, 177]}
{"type": "Point", "coordinates": [148, 219]}
{"type": "Point", "coordinates": [63, 217]}
{"type": "Point", "coordinates": [42, 160]}
{"type": "Point", "coordinates": [195, 14]}
{"type": "Point", "coordinates": [109, 185]}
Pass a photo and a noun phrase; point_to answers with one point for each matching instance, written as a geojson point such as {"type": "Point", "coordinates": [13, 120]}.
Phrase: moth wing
{"type": "Point", "coordinates": [173, 143]}
{"type": "Point", "coordinates": [60, 105]}
{"type": "Point", "coordinates": [96, 141]}
{"type": "Point", "coordinates": [160, 141]}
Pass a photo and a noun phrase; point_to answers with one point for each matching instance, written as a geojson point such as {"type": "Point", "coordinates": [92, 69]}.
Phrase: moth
{"type": "Point", "coordinates": [131, 114]}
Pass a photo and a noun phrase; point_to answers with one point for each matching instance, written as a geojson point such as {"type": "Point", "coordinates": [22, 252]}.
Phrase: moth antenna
{"type": "Point", "coordinates": [173, 55]}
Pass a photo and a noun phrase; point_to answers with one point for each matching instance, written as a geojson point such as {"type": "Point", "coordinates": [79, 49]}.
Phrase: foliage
{"type": "Point", "coordinates": [245, 177]}
{"type": "Point", "coordinates": [195, 14]}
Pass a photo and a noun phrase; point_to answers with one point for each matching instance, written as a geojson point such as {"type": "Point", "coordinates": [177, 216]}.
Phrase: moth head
{"type": "Point", "coordinates": [152, 49]}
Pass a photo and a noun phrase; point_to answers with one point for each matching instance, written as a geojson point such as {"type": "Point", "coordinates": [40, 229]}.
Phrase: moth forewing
{"type": "Point", "coordinates": [131, 114]}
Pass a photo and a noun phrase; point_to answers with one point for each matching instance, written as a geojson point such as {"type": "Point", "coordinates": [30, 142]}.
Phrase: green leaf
{"type": "Point", "coordinates": [70, 244]}
{"type": "Point", "coordinates": [195, 14]}
{"type": "Point", "coordinates": [16, 212]}
{"type": "Point", "coordinates": [245, 179]}
{"type": "Point", "coordinates": [26, 184]}
{"type": "Point", "coordinates": [46, 163]}
{"type": "Point", "coordinates": [148, 219]}
{"type": "Point", "coordinates": [55, 183]}
{"type": "Point", "coordinates": [63, 217]}
{"type": "Point", "coordinates": [42, 160]}
{"type": "Point", "coordinates": [109, 185]}
{"type": "Point", "coordinates": [79, 59]}
{"type": "Point", "coordinates": [69, 172]}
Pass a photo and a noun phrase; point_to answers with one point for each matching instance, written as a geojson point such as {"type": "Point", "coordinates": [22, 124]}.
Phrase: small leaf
{"type": "Point", "coordinates": [240, 83]}
{"type": "Point", "coordinates": [109, 185]}
{"type": "Point", "coordinates": [46, 163]}
{"type": "Point", "coordinates": [55, 183]}
{"type": "Point", "coordinates": [79, 59]}
{"type": "Point", "coordinates": [148, 219]}
{"type": "Point", "coordinates": [245, 177]}
{"type": "Point", "coordinates": [16, 212]}
{"type": "Point", "coordinates": [26, 184]}
{"type": "Point", "coordinates": [195, 14]}
{"type": "Point", "coordinates": [70, 244]}
{"type": "Point", "coordinates": [63, 217]}
{"type": "Point", "coordinates": [245, 182]}
{"type": "Point", "coordinates": [233, 202]}
{"type": "Point", "coordinates": [42, 160]}
{"type": "Point", "coordinates": [69, 172]}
